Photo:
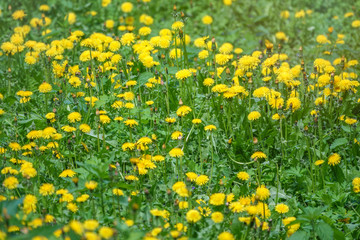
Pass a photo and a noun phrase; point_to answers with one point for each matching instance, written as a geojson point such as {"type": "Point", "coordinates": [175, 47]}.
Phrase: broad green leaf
{"type": "Point", "coordinates": [300, 235]}
{"type": "Point", "coordinates": [324, 231]}
{"type": "Point", "coordinates": [346, 128]}
{"type": "Point", "coordinates": [11, 206]}
{"type": "Point", "coordinates": [338, 142]}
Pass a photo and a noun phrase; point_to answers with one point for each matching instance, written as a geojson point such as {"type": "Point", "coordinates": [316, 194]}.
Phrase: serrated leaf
{"type": "Point", "coordinates": [324, 231]}
{"type": "Point", "coordinates": [102, 101]}
{"type": "Point", "coordinates": [346, 128]}
{"type": "Point", "coordinates": [338, 142]}
{"type": "Point", "coordinates": [143, 78]}
{"type": "Point", "coordinates": [300, 235]}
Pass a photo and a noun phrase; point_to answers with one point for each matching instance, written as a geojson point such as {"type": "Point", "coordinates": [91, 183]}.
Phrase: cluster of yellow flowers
{"type": "Point", "coordinates": [158, 107]}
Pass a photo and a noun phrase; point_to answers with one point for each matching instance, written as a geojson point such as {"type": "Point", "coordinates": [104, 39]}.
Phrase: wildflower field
{"type": "Point", "coordinates": [183, 119]}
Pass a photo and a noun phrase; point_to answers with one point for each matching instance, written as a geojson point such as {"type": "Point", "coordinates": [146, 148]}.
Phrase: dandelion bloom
{"type": "Point", "coordinates": [208, 82]}
{"type": "Point", "coordinates": [355, 24]}
{"type": "Point", "coordinates": [104, 119]}
{"type": "Point", "coordinates": [68, 128]}
{"type": "Point", "coordinates": [131, 178]}
{"type": "Point", "coordinates": [14, 146]}
{"type": "Point", "coordinates": [177, 25]}
{"type": "Point", "coordinates": [226, 236]}
{"type": "Point", "coordinates": [178, 185]}
{"type": "Point", "coordinates": [175, 53]}
{"type": "Point", "coordinates": [29, 203]}
{"type": "Point", "coordinates": [201, 180]}
{"type": "Point", "coordinates": [46, 189]}
{"type": "Point", "coordinates": [322, 39]}
{"type": "Point", "coordinates": [19, 14]}
{"type": "Point", "coordinates": [356, 184]}
{"type": "Point", "coordinates": [183, 111]}
{"type": "Point", "coordinates": [127, 39]}
{"type": "Point", "coordinates": [257, 155]}
{"type": "Point", "coordinates": [210, 128]}
{"type": "Point", "coordinates": [243, 176]}
{"type": "Point", "coordinates": [71, 18]}
{"type": "Point", "coordinates": [158, 158]}
{"type": "Point", "coordinates": [91, 224]}
{"type": "Point", "coordinates": [11, 182]}
{"type": "Point", "coordinates": [217, 199]}
{"type": "Point", "coordinates": [67, 173]}
{"type": "Point", "coordinates": [203, 54]}
{"type": "Point", "coordinates": [350, 121]}
{"type": "Point", "coordinates": [106, 232]}
{"type": "Point", "coordinates": [219, 88]}
{"type": "Point", "coordinates": [288, 220]}
{"type": "Point", "coordinates": [183, 205]}
{"type": "Point", "coordinates": [334, 159]}
{"type": "Point", "coordinates": [217, 217]}
{"type": "Point", "coordinates": [128, 146]}
{"type": "Point", "coordinates": [84, 128]}
{"type": "Point", "coordinates": [127, 7]}
{"type": "Point", "coordinates": [183, 74]}
{"type": "Point", "coordinates": [45, 87]}
{"type": "Point", "coordinates": [91, 185]}
{"type": "Point", "coordinates": [72, 207]}
{"type": "Point", "coordinates": [207, 20]}
{"type": "Point", "coordinates": [144, 31]}
{"type": "Point", "coordinates": [262, 193]}
{"type": "Point", "coordinates": [82, 198]}
{"type": "Point", "coordinates": [131, 123]}
{"type": "Point", "coordinates": [319, 162]}
{"type": "Point", "coordinates": [237, 207]}
{"type": "Point", "coordinates": [176, 152]}
{"type": "Point", "coordinates": [282, 208]}
{"type": "Point", "coordinates": [118, 192]}
{"type": "Point", "coordinates": [252, 210]}
{"type": "Point", "coordinates": [261, 92]}
{"type": "Point", "coordinates": [50, 116]}
{"type": "Point", "coordinates": [193, 216]}
{"type": "Point", "coordinates": [222, 59]}
{"type": "Point", "coordinates": [74, 117]}
{"type": "Point", "coordinates": [281, 36]}
{"type": "Point", "coordinates": [192, 176]}
{"type": "Point", "coordinates": [285, 14]}
{"type": "Point", "coordinates": [196, 121]}
{"type": "Point", "coordinates": [293, 103]}
{"type": "Point", "coordinates": [170, 120]}
{"type": "Point", "coordinates": [176, 135]}
{"type": "Point", "coordinates": [254, 116]}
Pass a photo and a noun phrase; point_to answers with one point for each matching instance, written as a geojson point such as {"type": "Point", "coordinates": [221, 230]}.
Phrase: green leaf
{"type": "Point", "coordinates": [172, 70]}
{"type": "Point", "coordinates": [135, 236]}
{"type": "Point", "coordinates": [300, 235]}
{"type": "Point", "coordinates": [324, 231]}
{"type": "Point", "coordinates": [338, 142]}
{"type": "Point", "coordinates": [41, 231]}
{"type": "Point", "coordinates": [338, 235]}
{"type": "Point", "coordinates": [93, 134]}
{"type": "Point", "coordinates": [144, 77]}
{"type": "Point", "coordinates": [346, 128]}
{"type": "Point", "coordinates": [11, 206]}
{"type": "Point", "coordinates": [102, 101]}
